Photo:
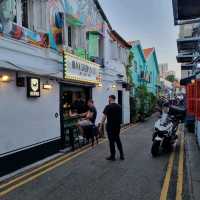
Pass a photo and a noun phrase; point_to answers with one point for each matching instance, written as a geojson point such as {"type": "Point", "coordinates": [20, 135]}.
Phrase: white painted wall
{"type": "Point", "coordinates": [100, 97]}
{"type": "Point", "coordinates": [26, 121]}
{"type": "Point", "coordinates": [109, 74]}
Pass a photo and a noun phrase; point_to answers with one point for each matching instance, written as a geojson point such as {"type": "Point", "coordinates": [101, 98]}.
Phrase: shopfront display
{"type": "Point", "coordinates": [73, 103]}
{"type": "Point", "coordinates": [81, 76]}
{"type": "Point", "coordinates": [80, 70]}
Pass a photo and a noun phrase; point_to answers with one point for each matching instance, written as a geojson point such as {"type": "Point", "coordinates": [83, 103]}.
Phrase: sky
{"type": "Point", "coordinates": [150, 21]}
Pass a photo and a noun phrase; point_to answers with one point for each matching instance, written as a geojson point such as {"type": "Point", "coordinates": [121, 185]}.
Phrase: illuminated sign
{"type": "Point", "coordinates": [33, 87]}
{"type": "Point", "coordinates": [78, 69]}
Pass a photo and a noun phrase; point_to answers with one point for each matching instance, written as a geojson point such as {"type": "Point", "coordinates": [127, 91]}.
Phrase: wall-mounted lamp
{"type": "Point", "coordinates": [114, 86]}
{"type": "Point", "coordinates": [4, 78]}
{"type": "Point", "coordinates": [100, 85]}
{"type": "Point", "coordinates": [192, 81]}
{"type": "Point", "coordinates": [47, 86]}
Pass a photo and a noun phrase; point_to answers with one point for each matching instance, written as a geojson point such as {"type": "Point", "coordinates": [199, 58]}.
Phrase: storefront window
{"type": "Point", "coordinates": [74, 100]}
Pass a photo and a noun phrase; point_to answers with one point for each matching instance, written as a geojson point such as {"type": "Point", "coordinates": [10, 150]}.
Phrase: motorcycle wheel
{"type": "Point", "coordinates": [167, 146]}
{"type": "Point", "coordinates": [155, 148]}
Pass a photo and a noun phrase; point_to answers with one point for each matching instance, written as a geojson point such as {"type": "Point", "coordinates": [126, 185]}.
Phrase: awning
{"type": "Point", "coordinates": [6, 65]}
{"type": "Point", "coordinates": [188, 44]}
{"type": "Point", "coordinates": [187, 80]}
{"type": "Point", "coordinates": [182, 58]}
{"type": "Point", "coordinates": [185, 10]}
{"type": "Point", "coordinates": [188, 66]}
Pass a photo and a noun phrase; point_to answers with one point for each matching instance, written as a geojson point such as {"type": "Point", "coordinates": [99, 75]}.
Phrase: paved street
{"type": "Point", "coordinates": [90, 177]}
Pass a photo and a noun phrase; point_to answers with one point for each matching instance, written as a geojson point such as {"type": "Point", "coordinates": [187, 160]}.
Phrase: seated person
{"type": "Point", "coordinates": [73, 112]}
{"type": "Point", "coordinates": [90, 117]}
{"type": "Point", "coordinates": [79, 104]}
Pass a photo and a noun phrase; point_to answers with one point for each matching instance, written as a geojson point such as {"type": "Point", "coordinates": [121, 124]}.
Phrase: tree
{"type": "Point", "coordinates": [128, 68]}
{"type": "Point", "coordinates": [170, 78]}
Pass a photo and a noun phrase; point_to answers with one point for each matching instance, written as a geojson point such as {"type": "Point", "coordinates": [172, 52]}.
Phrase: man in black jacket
{"type": "Point", "coordinates": [113, 113]}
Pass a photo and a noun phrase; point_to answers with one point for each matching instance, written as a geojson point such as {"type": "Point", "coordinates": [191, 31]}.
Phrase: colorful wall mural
{"type": "Point", "coordinates": [85, 12]}
{"type": "Point", "coordinates": [15, 31]}
{"type": "Point", "coordinates": [56, 21]}
{"type": "Point", "coordinates": [78, 13]}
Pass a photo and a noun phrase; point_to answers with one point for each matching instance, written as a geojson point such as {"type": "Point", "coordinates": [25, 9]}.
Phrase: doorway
{"type": "Point", "coordinates": [68, 94]}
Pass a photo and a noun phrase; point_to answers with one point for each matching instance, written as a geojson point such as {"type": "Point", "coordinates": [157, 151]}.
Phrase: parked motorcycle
{"type": "Point", "coordinates": [165, 129]}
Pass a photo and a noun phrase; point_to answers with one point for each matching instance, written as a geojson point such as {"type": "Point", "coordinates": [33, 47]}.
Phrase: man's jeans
{"type": "Point", "coordinates": [114, 137]}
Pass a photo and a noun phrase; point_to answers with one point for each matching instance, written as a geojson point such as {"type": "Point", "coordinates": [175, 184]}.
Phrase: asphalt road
{"type": "Point", "coordinates": [90, 177]}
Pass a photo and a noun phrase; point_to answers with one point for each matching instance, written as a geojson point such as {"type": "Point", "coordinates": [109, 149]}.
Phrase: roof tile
{"type": "Point", "coordinates": [147, 52]}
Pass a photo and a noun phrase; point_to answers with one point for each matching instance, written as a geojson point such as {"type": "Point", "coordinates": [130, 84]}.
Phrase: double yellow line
{"type": "Point", "coordinates": [36, 173]}
{"type": "Point", "coordinates": [180, 179]}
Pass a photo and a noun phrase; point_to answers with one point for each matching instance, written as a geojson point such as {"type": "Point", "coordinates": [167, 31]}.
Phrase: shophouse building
{"type": "Point", "coordinates": [50, 51]}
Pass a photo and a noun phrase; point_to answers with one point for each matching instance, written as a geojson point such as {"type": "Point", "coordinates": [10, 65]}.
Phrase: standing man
{"type": "Point", "coordinates": [113, 113]}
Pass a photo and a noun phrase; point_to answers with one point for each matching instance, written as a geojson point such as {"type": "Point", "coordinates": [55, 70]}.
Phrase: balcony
{"type": "Point", "coordinates": [184, 58]}
{"type": "Point", "coordinates": [186, 11]}
{"type": "Point", "coordinates": [188, 44]}
{"type": "Point", "coordinates": [17, 32]}
{"type": "Point", "coordinates": [188, 66]}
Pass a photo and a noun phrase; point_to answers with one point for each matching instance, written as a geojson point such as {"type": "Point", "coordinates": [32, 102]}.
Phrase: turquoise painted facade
{"type": "Point", "coordinates": [145, 69]}
{"type": "Point", "coordinates": [139, 64]}
{"type": "Point", "coordinates": [153, 71]}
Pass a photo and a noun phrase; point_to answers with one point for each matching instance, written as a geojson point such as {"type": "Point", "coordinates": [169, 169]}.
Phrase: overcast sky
{"type": "Point", "coordinates": [150, 21]}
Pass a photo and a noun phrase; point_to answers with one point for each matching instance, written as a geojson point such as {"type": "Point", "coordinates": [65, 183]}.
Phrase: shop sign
{"type": "Point", "coordinates": [78, 69]}
{"type": "Point", "coordinates": [33, 87]}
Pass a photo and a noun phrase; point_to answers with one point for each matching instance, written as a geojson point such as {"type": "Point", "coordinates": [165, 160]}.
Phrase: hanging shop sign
{"type": "Point", "coordinates": [33, 87]}
{"type": "Point", "coordinates": [78, 69]}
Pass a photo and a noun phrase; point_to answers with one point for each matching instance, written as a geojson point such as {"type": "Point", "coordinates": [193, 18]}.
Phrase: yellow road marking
{"type": "Point", "coordinates": [179, 188]}
{"type": "Point", "coordinates": [41, 173]}
{"type": "Point", "coordinates": [166, 183]}
{"type": "Point", "coordinates": [165, 188]}
{"type": "Point", "coordinates": [39, 169]}
{"type": "Point", "coordinates": [30, 176]}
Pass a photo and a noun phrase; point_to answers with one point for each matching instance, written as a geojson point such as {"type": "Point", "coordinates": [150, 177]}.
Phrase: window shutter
{"type": "Point", "coordinates": [40, 15]}
{"type": "Point", "coordinates": [75, 36]}
{"type": "Point", "coordinates": [93, 49]}
{"type": "Point", "coordinates": [82, 38]}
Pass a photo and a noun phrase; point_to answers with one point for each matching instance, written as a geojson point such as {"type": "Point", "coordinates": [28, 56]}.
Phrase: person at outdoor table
{"type": "Point", "coordinates": [90, 117]}
{"type": "Point", "coordinates": [79, 104]}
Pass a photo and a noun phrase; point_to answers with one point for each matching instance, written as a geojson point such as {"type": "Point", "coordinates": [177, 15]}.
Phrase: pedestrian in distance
{"type": "Point", "coordinates": [113, 113]}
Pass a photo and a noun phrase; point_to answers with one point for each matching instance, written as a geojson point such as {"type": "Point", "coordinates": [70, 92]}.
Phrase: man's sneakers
{"type": "Point", "coordinates": [122, 158]}
{"type": "Point", "coordinates": [110, 158]}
